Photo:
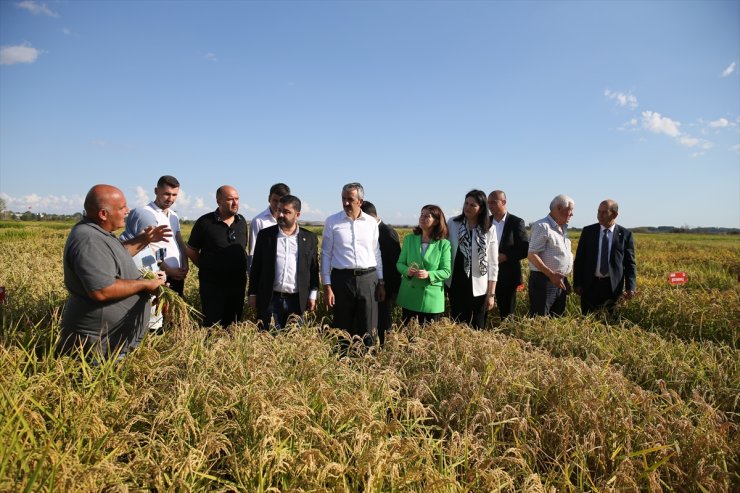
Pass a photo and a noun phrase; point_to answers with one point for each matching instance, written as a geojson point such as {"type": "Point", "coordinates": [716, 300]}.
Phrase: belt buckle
{"type": "Point", "coordinates": [357, 272]}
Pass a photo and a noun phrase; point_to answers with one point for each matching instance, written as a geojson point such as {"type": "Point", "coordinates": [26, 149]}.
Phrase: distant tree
{"type": "Point", "coordinates": [2, 204]}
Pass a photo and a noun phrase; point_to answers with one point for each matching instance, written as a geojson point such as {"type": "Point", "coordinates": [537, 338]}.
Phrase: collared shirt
{"type": "Point", "coordinates": [610, 237]}
{"type": "Point", "coordinates": [261, 221]}
{"type": "Point", "coordinates": [286, 264]}
{"type": "Point", "coordinates": [350, 244]}
{"type": "Point", "coordinates": [221, 247]}
{"type": "Point", "coordinates": [551, 243]}
{"type": "Point", "coordinates": [94, 259]}
{"type": "Point", "coordinates": [152, 215]}
{"type": "Point", "coordinates": [499, 225]}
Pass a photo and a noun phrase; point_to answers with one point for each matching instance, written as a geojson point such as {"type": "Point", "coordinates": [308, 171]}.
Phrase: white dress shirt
{"type": "Point", "coordinates": [261, 221]}
{"type": "Point", "coordinates": [610, 237]}
{"type": "Point", "coordinates": [350, 244]}
{"type": "Point", "coordinates": [499, 225]}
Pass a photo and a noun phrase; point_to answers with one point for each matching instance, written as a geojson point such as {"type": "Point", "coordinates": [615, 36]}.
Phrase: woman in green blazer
{"type": "Point", "coordinates": [424, 264]}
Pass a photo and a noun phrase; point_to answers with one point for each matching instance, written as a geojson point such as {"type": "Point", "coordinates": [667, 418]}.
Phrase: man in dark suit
{"type": "Point", "coordinates": [284, 276]}
{"type": "Point", "coordinates": [604, 266]}
{"type": "Point", "coordinates": [390, 249]}
{"type": "Point", "coordinates": [512, 248]}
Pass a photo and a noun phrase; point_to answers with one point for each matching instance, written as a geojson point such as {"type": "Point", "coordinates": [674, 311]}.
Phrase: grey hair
{"type": "Point", "coordinates": [355, 186]}
{"type": "Point", "coordinates": [561, 200]}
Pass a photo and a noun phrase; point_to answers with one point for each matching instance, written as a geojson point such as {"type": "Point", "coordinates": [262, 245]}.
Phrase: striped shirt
{"type": "Point", "coordinates": [551, 243]}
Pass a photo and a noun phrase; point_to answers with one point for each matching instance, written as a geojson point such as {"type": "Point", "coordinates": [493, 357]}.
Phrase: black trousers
{"type": "Point", "coordinates": [422, 318]}
{"type": "Point", "coordinates": [544, 297]}
{"type": "Point", "coordinates": [355, 308]}
{"type": "Point", "coordinates": [464, 307]}
{"type": "Point", "coordinates": [222, 302]}
{"type": "Point", "coordinates": [598, 296]}
{"type": "Point", "coordinates": [178, 286]}
{"type": "Point", "coordinates": [506, 299]}
{"type": "Point", "coordinates": [385, 312]}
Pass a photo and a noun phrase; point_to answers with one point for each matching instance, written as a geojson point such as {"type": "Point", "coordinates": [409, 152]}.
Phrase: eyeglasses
{"type": "Point", "coordinates": [426, 215]}
{"type": "Point", "coordinates": [230, 235]}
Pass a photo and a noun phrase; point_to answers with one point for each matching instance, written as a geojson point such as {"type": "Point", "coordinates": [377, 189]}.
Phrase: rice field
{"type": "Point", "coordinates": [646, 401]}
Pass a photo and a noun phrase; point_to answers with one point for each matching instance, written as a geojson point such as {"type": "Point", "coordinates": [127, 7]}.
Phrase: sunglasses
{"type": "Point", "coordinates": [230, 235]}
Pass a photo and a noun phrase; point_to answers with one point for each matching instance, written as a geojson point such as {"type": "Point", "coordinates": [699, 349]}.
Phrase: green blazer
{"type": "Point", "coordinates": [424, 295]}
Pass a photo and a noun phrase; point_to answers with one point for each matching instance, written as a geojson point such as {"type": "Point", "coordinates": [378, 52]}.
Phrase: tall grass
{"type": "Point", "coordinates": [443, 408]}
{"type": "Point", "coordinates": [575, 404]}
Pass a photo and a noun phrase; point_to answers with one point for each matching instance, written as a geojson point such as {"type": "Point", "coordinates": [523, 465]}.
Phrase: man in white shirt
{"type": "Point", "coordinates": [171, 251]}
{"type": "Point", "coordinates": [266, 218]}
{"type": "Point", "coordinates": [284, 278]}
{"type": "Point", "coordinates": [352, 267]}
{"type": "Point", "coordinates": [550, 259]}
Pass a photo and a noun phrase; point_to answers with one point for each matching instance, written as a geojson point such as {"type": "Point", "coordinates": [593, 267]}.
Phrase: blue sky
{"type": "Point", "coordinates": [419, 101]}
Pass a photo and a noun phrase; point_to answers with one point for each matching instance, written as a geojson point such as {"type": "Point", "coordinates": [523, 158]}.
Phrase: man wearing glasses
{"type": "Point", "coordinates": [217, 245]}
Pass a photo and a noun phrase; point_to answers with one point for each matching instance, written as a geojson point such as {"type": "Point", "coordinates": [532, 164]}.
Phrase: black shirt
{"type": "Point", "coordinates": [222, 247]}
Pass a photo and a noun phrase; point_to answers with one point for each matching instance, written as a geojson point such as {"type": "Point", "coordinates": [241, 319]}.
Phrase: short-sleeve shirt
{"type": "Point", "coordinates": [94, 259]}
{"type": "Point", "coordinates": [222, 248]}
{"type": "Point", "coordinates": [551, 243]}
{"type": "Point", "coordinates": [151, 215]}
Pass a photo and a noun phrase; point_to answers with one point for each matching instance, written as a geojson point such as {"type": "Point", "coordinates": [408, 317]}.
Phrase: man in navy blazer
{"type": "Point", "coordinates": [513, 245]}
{"type": "Point", "coordinates": [284, 275]}
{"type": "Point", "coordinates": [601, 281]}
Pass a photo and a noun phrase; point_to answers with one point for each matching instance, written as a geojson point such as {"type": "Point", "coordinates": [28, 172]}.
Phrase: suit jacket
{"type": "Point", "coordinates": [515, 245]}
{"type": "Point", "coordinates": [622, 271]}
{"type": "Point", "coordinates": [390, 249]}
{"type": "Point", "coordinates": [424, 295]}
{"type": "Point", "coordinates": [262, 272]}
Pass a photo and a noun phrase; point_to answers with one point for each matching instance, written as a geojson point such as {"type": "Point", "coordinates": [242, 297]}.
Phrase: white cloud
{"type": "Point", "coordinates": [622, 99]}
{"type": "Point", "coordinates": [729, 70]}
{"type": "Point", "coordinates": [24, 53]}
{"type": "Point", "coordinates": [735, 148]}
{"type": "Point", "coordinates": [142, 197]}
{"type": "Point", "coordinates": [688, 141]}
{"type": "Point", "coordinates": [721, 123]}
{"type": "Point", "coordinates": [653, 121]}
{"type": "Point", "coordinates": [50, 204]}
{"type": "Point", "coordinates": [211, 57]}
{"type": "Point", "coordinates": [36, 8]}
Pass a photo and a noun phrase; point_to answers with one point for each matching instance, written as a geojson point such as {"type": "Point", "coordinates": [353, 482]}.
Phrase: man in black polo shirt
{"type": "Point", "coordinates": [217, 245]}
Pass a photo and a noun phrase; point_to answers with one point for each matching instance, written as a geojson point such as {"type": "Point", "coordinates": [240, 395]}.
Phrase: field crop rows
{"type": "Point", "coordinates": [647, 401]}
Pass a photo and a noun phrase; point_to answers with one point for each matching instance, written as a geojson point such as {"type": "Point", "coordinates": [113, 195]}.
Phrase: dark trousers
{"type": "Point", "coordinates": [178, 286]}
{"type": "Point", "coordinates": [506, 300]}
{"type": "Point", "coordinates": [222, 302]}
{"type": "Point", "coordinates": [355, 308]}
{"type": "Point", "coordinates": [544, 297]}
{"type": "Point", "coordinates": [598, 296]}
{"type": "Point", "coordinates": [422, 318]}
{"type": "Point", "coordinates": [464, 307]}
{"type": "Point", "coordinates": [385, 312]}
{"type": "Point", "coordinates": [281, 308]}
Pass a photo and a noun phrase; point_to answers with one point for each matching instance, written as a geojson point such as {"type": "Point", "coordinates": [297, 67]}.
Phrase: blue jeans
{"type": "Point", "coordinates": [280, 309]}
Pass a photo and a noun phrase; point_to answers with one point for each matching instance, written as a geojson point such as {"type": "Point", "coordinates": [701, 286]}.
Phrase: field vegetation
{"type": "Point", "coordinates": [646, 401]}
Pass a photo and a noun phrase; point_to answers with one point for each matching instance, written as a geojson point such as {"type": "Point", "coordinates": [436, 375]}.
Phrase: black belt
{"type": "Point", "coordinates": [357, 272]}
{"type": "Point", "coordinates": [283, 295]}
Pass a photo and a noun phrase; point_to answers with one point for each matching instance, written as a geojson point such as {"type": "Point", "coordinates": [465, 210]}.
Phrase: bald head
{"type": "Point", "coordinates": [497, 204]}
{"type": "Point", "coordinates": [227, 199]}
{"type": "Point", "coordinates": [99, 198]}
{"type": "Point", "coordinates": [607, 212]}
{"type": "Point", "coordinates": [106, 206]}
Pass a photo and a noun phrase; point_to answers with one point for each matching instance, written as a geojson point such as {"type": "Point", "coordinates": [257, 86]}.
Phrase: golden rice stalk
{"type": "Point", "coordinates": [175, 308]}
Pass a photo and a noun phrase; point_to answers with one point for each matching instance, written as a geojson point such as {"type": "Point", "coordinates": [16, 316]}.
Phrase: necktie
{"type": "Point", "coordinates": [604, 261]}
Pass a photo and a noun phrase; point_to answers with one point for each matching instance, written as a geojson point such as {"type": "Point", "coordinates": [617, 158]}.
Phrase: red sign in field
{"type": "Point", "coordinates": [675, 278]}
